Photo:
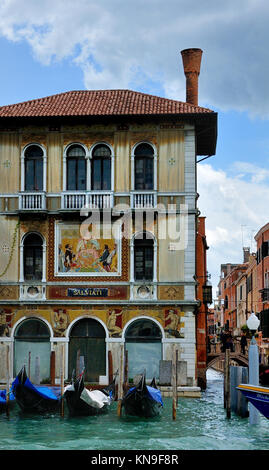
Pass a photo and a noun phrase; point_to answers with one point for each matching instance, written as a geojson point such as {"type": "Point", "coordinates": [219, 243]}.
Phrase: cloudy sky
{"type": "Point", "coordinates": [51, 46]}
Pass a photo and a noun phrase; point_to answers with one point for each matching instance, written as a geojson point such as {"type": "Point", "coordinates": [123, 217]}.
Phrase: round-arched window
{"type": "Point", "coordinates": [88, 347]}
{"type": "Point", "coordinates": [33, 257]}
{"type": "Point", "coordinates": [101, 168]}
{"type": "Point", "coordinates": [76, 168]}
{"type": "Point", "coordinates": [32, 341]}
{"type": "Point", "coordinates": [143, 341]}
{"type": "Point", "coordinates": [144, 167]}
{"type": "Point", "coordinates": [33, 167]}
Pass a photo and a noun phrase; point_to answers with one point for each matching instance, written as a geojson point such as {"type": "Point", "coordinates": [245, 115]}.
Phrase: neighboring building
{"type": "Point", "coordinates": [230, 274]}
{"type": "Point", "coordinates": [122, 156]}
{"type": "Point", "coordinates": [204, 294]}
{"type": "Point", "coordinates": [241, 294]}
{"type": "Point", "coordinates": [262, 286]}
{"type": "Point", "coordinates": [211, 322]}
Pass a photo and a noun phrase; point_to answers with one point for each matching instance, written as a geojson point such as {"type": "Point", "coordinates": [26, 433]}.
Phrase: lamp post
{"type": "Point", "coordinates": [253, 364]}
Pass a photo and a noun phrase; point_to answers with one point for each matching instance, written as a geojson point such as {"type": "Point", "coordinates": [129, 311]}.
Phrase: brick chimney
{"type": "Point", "coordinates": [246, 254]}
{"type": "Point", "coordinates": [191, 62]}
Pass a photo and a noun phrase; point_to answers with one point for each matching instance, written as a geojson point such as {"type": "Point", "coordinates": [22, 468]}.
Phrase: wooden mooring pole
{"type": "Point", "coordinates": [62, 381]}
{"type": "Point", "coordinates": [29, 365]}
{"type": "Point", "coordinates": [174, 384]}
{"type": "Point", "coordinates": [8, 383]}
{"type": "Point", "coordinates": [125, 383]}
{"type": "Point", "coordinates": [120, 383]}
{"type": "Point", "coordinates": [227, 389]}
{"type": "Point", "coordinates": [110, 367]}
{"type": "Point", "coordinates": [52, 367]}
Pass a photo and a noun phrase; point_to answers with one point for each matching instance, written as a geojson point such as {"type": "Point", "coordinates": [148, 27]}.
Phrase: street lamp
{"type": "Point", "coordinates": [207, 292]}
{"type": "Point", "coordinates": [253, 364]}
{"type": "Point", "coordinates": [253, 323]}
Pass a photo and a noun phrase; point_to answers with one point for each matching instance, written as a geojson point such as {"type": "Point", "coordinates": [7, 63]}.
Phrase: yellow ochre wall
{"type": "Point", "coordinates": [168, 142]}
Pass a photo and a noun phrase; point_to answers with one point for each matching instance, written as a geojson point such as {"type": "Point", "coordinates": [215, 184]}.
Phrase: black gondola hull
{"type": "Point", "coordinates": [78, 407]}
{"type": "Point", "coordinates": [145, 407]}
{"type": "Point", "coordinates": [34, 399]}
{"type": "Point", "coordinates": [139, 401]}
{"type": "Point", "coordinates": [31, 402]}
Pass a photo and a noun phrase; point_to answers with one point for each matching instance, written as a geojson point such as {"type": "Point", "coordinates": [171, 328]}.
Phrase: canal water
{"type": "Point", "coordinates": [201, 424]}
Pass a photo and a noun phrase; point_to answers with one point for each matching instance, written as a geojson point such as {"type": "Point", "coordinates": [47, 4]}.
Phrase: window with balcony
{"type": "Point", "coordinates": [101, 168]}
{"type": "Point", "coordinates": [144, 167]}
{"type": "Point", "coordinates": [33, 257]}
{"type": "Point", "coordinates": [76, 168]}
{"type": "Point", "coordinates": [33, 167]}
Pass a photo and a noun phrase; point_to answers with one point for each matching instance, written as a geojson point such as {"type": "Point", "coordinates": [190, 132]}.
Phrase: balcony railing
{"type": "Point", "coordinates": [92, 200]}
{"type": "Point", "coordinates": [143, 200]}
{"type": "Point", "coordinates": [32, 201]}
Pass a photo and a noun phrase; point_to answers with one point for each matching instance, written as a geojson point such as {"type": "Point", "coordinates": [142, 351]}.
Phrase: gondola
{"type": "Point", "coordinates": [143, 400]}
{"type": "Point", "coordinates": [3, 400]}
{"type": "Point", "coordinates": [83, 402]}
{"type": "Point", "coordinates": [35, 398]}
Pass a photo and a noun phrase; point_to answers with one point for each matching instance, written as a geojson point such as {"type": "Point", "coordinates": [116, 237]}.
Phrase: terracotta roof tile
{"type": "Point", "coordinates": [99, 103]}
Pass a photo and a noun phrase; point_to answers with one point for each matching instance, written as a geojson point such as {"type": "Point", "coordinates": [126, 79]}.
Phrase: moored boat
{"type": "Point", "coordinates": [3, 400]}
{"type": "Point", "coordinates": [258, 396]}
{"type": "Point", "coordinates": [143, 400]}
{"type": "Point", "coordinates": [35, 398]}
{"type": "Point", "coordinates": [83, 402]}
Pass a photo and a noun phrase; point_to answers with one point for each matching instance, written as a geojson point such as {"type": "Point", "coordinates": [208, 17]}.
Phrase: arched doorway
{"type": "Point", "coordinates": [143, 341]}
{"type": "Point", "coordinates": [32, 340]}
{"type": "Point", "coordinates": [87, 339]}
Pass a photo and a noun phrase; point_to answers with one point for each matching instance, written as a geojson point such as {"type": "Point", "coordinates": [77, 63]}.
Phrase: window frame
{"type": "Point", "coordinates": [22, 259]}
{"type": "Point", "coordinates": [23, 168]}
{"type": "Point", "coordinates": [132, 264]}
{"type": "Point", "coordinates": [101, 159]}
{"type": "Point", "coordinates": [133, 166]}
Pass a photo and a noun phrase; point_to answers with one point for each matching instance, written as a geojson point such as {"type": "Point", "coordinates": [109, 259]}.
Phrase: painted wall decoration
{"type": "Point", "coordinates": [60, 321]}
{"type": "Point", "coordinates": [78, 256]}
{"type": "Point", "coordinates": [114, 322]}
{"type": "Point", "coordinates": [172, 323]}
{"type": "Point", "coordinates": [5, 322]}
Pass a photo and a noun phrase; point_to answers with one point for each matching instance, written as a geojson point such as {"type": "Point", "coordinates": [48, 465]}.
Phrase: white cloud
{"type": "Point", "coordinates": [113, 40]}
{"type": "Point", "coordinates": [235, 210]}
{"type": "Point", "coordinates": [246, 169]}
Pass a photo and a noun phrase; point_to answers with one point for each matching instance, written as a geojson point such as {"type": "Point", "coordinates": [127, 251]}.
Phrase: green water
{"type": "Point", "coordinates": [201, 424]}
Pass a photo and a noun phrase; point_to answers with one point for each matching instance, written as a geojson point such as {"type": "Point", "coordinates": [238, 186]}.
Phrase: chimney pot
{"type": "Point", "coordinates": [191, 62]}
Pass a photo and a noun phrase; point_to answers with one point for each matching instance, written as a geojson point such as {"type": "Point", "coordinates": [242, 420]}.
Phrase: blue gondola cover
{"type": "Point", "coordinates": [44, 392]}
{"type": "Point", "coordinates": [154, 394]}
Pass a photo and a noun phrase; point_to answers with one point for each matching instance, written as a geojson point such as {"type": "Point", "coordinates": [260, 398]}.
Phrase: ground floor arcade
{"type": "Point", "coordinates": [91, 336]}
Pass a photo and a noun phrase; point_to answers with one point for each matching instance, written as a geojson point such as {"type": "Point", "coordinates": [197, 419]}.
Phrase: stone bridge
{"type": "Point", "coordinates": [215, 356]}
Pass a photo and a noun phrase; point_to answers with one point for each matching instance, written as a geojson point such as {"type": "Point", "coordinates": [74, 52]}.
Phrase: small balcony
{"type": "Point", "coordinates": [75, 200]}
{"type": "Point", "coordinates": [143, 200]}
{"type": "Point", "coordinates": [32, 201]}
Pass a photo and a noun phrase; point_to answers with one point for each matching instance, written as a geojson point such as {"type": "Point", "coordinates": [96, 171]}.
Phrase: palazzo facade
{"type": "Point", "coordinates": [98, 213]}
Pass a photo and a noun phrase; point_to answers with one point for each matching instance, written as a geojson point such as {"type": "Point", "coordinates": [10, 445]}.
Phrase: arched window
{"type": "Point", "coordinates": [144, 167]}
{"type": "Point", "coordinates": [33, 167]}
{"type": "Point", "coordinates": [101, 168]}
{"type": "Point", "coordinates": [87, 340]}
{"type": "Point", "coordinates": [76, 168]}
{"type": "Point", "coordinates": [32, 340]}
{"type": "Point", "coordinates": [143, 341]}
{"type": "Point", "coordinates": [143, 258]}
{"type": "Point", "coordinates": [32, 257]}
